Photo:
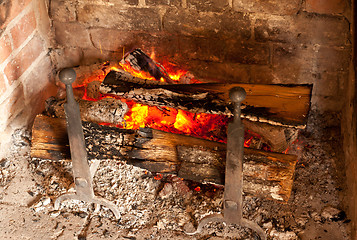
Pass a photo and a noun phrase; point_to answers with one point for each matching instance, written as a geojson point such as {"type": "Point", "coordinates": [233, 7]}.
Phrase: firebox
{"type": "Point", "coordinates": [277, 44]}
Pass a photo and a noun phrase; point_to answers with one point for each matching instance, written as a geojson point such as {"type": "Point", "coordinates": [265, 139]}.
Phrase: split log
{"type": "Point", "coordinates": [268, 175]}
{"type": "Point", "coordinates": [275, 104]}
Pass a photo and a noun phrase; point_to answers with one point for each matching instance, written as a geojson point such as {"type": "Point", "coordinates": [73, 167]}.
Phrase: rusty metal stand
{"type": "Point", "coordinates": [80, 167]}
{"type": "Point", "coordinates": [233, 188]}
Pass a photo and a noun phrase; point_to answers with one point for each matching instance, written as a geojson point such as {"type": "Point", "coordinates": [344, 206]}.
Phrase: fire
{"type": "Point", "coordinates": [175, 121]}
{"type": "Point", "coordinates": [183, 122]}
{"type": "Point", "coordinates": [173, 72]}
{"type": "Point", "coordinates": [202, 125]}
{"type": "Point", "coordinates": [137, 117]}
{"type": "Point", "coordinates": [140, 74]}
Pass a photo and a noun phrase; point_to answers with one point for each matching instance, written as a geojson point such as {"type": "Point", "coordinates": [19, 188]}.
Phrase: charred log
{"type": "Point", "coordinates": [275, 104]}
{"type": "Point", "coordinates": [106, 110]}
{"type": "Point", "coordinates": [268, 175]}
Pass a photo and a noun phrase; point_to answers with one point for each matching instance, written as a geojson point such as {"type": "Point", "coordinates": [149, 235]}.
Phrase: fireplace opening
{"type": "Point", "coordinates": [160, 146]}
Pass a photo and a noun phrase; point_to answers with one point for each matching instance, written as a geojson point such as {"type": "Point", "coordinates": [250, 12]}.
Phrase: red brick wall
{"type": "Point", "coordinates": [25, 67]}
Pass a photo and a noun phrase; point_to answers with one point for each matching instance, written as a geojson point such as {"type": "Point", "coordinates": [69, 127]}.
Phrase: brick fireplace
{"type": "Point", "coordinates": [275, 42]}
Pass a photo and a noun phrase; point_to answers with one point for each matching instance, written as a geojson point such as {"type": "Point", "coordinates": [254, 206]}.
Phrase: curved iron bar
{"type": "Point", "coordinates": [233, 195]}
{"type": "Point", "coordinates": [81, 171]}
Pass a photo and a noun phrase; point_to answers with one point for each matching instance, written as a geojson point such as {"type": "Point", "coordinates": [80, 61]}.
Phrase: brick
{"type": "Point", "coordinates": [326, 6]}
{"type": "Point", "coordinates": [72, 35]}
{"type": "Point", "coordinates": [304, 28]}
{"type": "Point", "coordinates": [95, 55]}
{"type": "Point", "coordinates": [247, 53]}
{"type": "Point", "coordinates": [114, 39]}
{"type": "Point", "coordinates": [23, 29]}
{"type": "Point", "coordinates": [261, 74]}
{"type": "Point", "coordinates": [67, 57]}
{"type": "Point", "coordinates": [9, 9]}
{"type": "Point", "coordinates": [275, 7]}
{"type": "Point", "coordinates": [208, 5]}
{"type": "Point", "coordinates": [217, 72]}
{"type": "Point", "coordinates": [2, 84]}
{"type": "Point", "coordinates": [5, 48]}
{"type": "Point", "coordinates": [14, 104]}
{"type": "Point", "coordinates": [38, 78]}
{"type": "Point", "coordinates": [277, 29]}
{"type": "Point", "coordinates": [161, 43]}
{"type": "Point", "coordinates": [23, 59]}
{"type": "Point", "coordinates": [331, 85]}
{"type": "Point", "coordinates": [324, 104]}
{"type": "Point", "coordinates": [63, 10]}
{"type": "Point", "coordinates": [190, 22]}
{"type": "Point", "coordinates": [306, 63]}
{"type": "Point", "coordinates": [130, 18]}
{"type": "Point", "coordinates": [208, 49]}
{"type": "Point", "coordinates": [174, 3]}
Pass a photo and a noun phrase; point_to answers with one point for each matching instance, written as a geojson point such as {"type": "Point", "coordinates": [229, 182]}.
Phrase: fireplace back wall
{"type": "Point", "coordinates": [289, 42]}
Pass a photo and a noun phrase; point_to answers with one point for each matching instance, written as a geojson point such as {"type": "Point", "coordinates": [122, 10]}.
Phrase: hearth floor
{"type": "Point", "coordinates": [163, 207]}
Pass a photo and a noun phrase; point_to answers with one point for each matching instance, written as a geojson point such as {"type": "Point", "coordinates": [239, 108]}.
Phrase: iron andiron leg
{"type": "Point", "coordinates": [233, 188]}
{"type": "Point", "coordinates": [80, 167]}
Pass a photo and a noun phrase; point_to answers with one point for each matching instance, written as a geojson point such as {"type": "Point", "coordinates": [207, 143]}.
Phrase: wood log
{"type": "Point", "coordinates": [106, 110]}
{"type": "Point", "coordinates": [268, 175]}
{"type": "Point", "coordinates": [275, 104]}
{"type": "Point", "coordinates": [140, 61]}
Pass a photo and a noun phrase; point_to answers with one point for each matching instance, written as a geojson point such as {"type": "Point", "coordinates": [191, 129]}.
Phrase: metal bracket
{"type": "Point", "coordinates": [233, 188]}
{"type": "Point", "coordinates": [82, 175]}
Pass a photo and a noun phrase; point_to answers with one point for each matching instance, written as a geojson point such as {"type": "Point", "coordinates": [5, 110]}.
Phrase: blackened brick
{"type": "Point", "coordinates": [147, 19]}
{"type": "Point", "coordinates": [208, 5]}
{"type": "Point", "coordinates": [176, 3]}
{"type": "Point", "coordinates": [275, 7]}
{"type": "Point", "coordinates": [191, 22]}
{"type": "Point", "coordinates": [306, 63]}
{"type": "Point", "coordinates": [206, 71]}
{"type": "Point", "coordinates": [247, 53]}
{"type": "Point", "coordinates": [304, 28]}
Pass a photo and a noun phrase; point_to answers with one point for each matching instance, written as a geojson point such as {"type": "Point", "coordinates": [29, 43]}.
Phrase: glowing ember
{"type": "Point", "coordinates": [175, 121]}
{"type": "Point", "coordinates": [158, 176]}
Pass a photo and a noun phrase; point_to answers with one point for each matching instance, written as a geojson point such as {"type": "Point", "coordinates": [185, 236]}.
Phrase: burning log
{"type": "Point", "coordinates": [112, 111]}
{"type": "Point", "coordinates": [274, 104]}
{"type": "Point", "coordinates": [268, 175]}
{"type": "Point", "coordinates": [141, 62]}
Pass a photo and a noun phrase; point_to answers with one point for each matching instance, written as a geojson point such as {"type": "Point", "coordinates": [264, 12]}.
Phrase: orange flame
{"type": "Point", "coordinates": [202, 125]}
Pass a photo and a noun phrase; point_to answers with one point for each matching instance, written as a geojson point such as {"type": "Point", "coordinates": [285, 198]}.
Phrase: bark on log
{"type": "Point", "coordinates": [275, 104]}
{"type": "Point", "coordinates": [268, 175]}
{"type": "Point", "coordinates": [106, 110]}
